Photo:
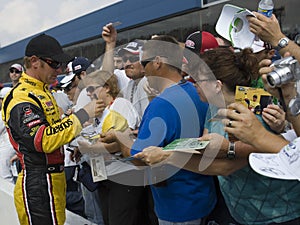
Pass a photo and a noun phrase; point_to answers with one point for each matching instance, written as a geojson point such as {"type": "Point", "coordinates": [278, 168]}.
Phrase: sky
{"type": "Point", "coordinates": [21, 19]}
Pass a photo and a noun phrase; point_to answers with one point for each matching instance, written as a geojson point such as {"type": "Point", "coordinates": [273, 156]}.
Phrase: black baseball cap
{"type": "Point", "coordinates": [46, 46]}
{"type": "Point", "coordinates": [201, 41]}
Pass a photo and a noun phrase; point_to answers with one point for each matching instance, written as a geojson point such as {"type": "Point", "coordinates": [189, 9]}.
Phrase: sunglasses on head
{"type": "Point", "coordinates": [53, 64]}
{"type": "Point", "coordinates": [12, 70]}
{"type": "Point", "coordinates": [91, 88]}
{"type": "Point", "coordinates": [131, 59]}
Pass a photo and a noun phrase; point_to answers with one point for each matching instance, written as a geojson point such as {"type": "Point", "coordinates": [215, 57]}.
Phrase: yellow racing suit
{"type": "Point", "coordinates": [37, 133]}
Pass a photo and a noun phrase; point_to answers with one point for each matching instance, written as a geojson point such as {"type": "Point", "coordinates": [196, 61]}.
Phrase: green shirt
{"type": "Point", "coordinates": [252, 198]}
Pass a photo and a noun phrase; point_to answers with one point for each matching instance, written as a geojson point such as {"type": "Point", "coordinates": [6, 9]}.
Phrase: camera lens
{"type": "Point", "coordinates": [273, 79]}
{"type": "Point", "coordinates": [279, 76]}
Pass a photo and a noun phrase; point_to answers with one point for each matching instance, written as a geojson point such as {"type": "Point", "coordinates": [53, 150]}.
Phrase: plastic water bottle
{"type": "Point", "coordinates": [266, 7]}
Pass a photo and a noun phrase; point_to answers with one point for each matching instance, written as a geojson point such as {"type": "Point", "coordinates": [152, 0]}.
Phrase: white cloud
{"type": "Point", "coordinates": [21, 18]}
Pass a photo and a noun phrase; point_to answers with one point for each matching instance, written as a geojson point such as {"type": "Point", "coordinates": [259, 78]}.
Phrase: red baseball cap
{"type": "Point", "coordinates": [201, 41]}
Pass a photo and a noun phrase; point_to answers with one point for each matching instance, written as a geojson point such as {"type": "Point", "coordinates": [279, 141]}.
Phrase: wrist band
{"type": "Point", "coordinates": [231, 151]}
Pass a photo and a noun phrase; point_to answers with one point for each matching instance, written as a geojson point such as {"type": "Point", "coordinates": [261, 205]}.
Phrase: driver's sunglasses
{"type": "Point", "coordinates": [146, 61]}
{"type": "Point", "coordinates": [131, 59]}
{"type": "Point", "coordinates": [53, 64]}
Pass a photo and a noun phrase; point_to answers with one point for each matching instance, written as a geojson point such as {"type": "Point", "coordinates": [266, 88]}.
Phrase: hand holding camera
{"type": "Point", "coordinates": [283, 78]}
{"type": "Point", "coordinates": [286, 70]}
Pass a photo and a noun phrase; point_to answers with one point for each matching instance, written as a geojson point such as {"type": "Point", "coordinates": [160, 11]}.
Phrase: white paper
{"type": "Point", "coordinates": [98, 168]}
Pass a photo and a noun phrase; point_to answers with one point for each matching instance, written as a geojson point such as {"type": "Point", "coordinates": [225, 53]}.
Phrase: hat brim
{"type": "Point", "coordinates": [270, 165]}
{"type": "Point", "coordinates": [65, 84]}
{"type": "Point", "coordinates": [67, 78]}
{"type": "Point", "coordinates": [131, 51]}
{"type": "Point", "coordinates": [225, 19]}
{"type": "Point", "coordinates": [235, 16]}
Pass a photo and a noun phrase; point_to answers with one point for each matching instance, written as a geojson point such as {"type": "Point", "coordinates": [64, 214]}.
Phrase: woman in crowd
{"type": "Point", "coordinates": [250, 198]}
{"type": "Point", "coordinates": [120, 203]}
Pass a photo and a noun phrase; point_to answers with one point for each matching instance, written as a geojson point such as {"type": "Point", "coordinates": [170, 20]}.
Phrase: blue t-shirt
{"type": "Point", "coordinates": [252, 198]}
{"type": "Point", "coordinates": [177, 113]}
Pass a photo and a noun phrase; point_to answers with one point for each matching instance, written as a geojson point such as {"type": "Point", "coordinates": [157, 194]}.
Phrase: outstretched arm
{"type": "Point", "coordinates": [109, 35]}
{"type": "Point", "coordinates": [196, 163]}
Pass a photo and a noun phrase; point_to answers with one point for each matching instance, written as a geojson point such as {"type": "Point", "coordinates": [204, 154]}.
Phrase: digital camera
{"type": "Point", "coordinates": [286, 70]}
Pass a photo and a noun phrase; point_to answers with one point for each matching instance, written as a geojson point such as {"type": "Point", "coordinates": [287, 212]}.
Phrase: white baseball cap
{"type": "Point", "coordinates": [17, 66]}
{"type": "Point", "coordinates": [283, 165]}
{"type": "Point", "coordinates": [234, 26]}
{"type": "Point", "coordinates": [69, 76]}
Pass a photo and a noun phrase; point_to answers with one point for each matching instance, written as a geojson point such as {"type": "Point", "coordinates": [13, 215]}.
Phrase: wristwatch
{"type": "Point", "coordinates": [283, 42]}
{"type": "Point", "coordinates": [231, 151]}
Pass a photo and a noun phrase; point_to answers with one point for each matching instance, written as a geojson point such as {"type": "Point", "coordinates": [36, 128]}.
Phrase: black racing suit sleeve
{"type": "Point", "coordinates": [25, 120]}
{"type": "Point", "coordinates": [82, 115]}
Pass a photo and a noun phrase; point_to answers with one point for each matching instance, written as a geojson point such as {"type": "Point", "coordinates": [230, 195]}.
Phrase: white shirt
{"type": "Point", "coordinates": [6, 153]}
{"type": "Point", "coordinates": [126, 109]}
{"type": "Point", "coordinates": [123, 80]}
{"type": "Point", "coordinates": [136, 94]}
{"type": "Point", "coordinates": [82, 100]}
